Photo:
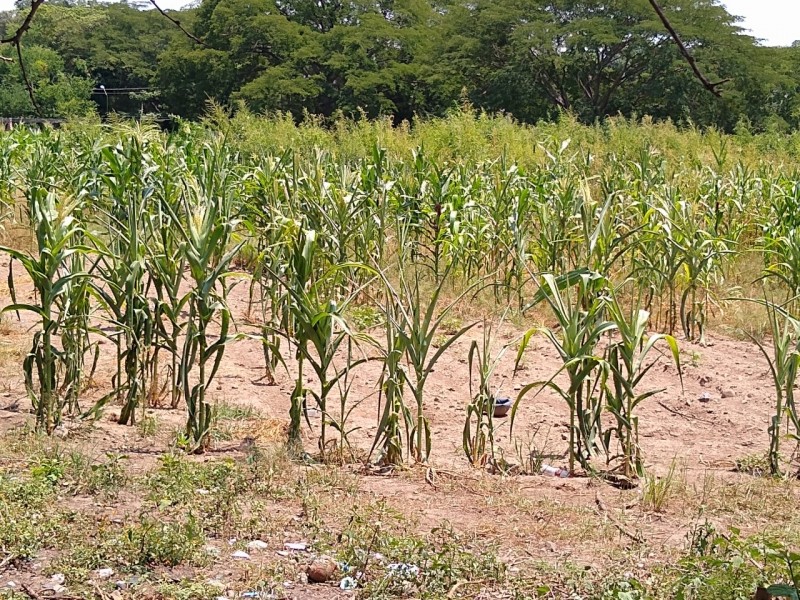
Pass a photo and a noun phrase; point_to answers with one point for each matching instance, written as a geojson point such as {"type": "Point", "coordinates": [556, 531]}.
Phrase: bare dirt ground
{"type": "Point", "coordinates": [528, 519]}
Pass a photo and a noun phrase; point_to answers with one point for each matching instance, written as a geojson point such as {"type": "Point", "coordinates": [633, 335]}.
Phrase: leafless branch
{"type": "Point", "coordinates": [177, 24]}
{"type": "Point", "coordinates": [27, 81]}
{"type": "Point", "coordinates": [16, 41]}
{"type": "Point", "coordinates": [711, 87]}
{"type": "Point", "coordinates": [26, 24]}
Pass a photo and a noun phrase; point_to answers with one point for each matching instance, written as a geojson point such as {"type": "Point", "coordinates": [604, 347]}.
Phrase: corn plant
{"type": "Point", "coordinates": [581, 323]}
{"type": "Point", "coordinates": [318, 331]}
{"type": "Point", "coordinates": [478, 435]}
{"type": "Point", "coordinates": [123, 272]}
{"type": "Point", "coordinates": [395, 416]}
{"type": "Point", "coordinates": [784, 362]}
{"type": "Point", "coordinates": [627, 366]}
{"type": "Point", "coordinates": [56, 230]}
{"type": "Point", "coordinates": [206, 248]}
{"type": "Point", "coordinates": [416, 324]}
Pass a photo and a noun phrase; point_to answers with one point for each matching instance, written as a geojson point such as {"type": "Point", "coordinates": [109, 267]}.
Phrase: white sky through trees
{"type": "Point", "coordinates": [777, 22]}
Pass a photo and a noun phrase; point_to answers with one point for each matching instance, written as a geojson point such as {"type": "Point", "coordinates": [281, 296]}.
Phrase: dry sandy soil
{"type": "Point", "coordinates": [527, 518]}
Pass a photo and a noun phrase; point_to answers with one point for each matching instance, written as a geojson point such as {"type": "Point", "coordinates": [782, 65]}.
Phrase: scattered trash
{"type": "Point", "coordinates": [554, 471]}
{"type": "Point", "coordinates": [298, 546]}
{"type": "Point", "coordinates": [124, 585]}
{"type": "Point", "coordinates": [321, 569]}
{"type": "Point", "coordinates": [344, 567]}
{"type": "Point", "coordinates": [502, 406]}
{"type": "Point", "coordinates": [241, 554]}
{"type": "Point", "coordinates": [404, 570]}
{"type": "Point", "coordinates": [257, 545]}
{"type": "Point", "coordinates": [104, 573]}
{"type": "Point", "coordinates": [705, 397]}
{"type": "Point", "coordinates": [202, 492]}
{"type": "Point", "coordinates": [348, 583]}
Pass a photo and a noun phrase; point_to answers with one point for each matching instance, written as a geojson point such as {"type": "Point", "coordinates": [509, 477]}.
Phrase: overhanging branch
{"type": "Point", "coordinates": [177, 24]}
{"type": "Point", "coordinates": [711, 87]}
{"type": "Point", "coordinates": [16, 41]}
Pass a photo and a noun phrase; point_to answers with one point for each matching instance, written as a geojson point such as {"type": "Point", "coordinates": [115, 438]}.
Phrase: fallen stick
{"type": "Point", "coordinates": [601, 508]}
{"type": "Point", "coordinates": [462, 583]}
{"type": "Point", "coordinates": [680, 414]}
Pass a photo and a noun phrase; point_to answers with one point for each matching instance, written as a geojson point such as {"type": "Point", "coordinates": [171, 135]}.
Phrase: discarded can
{"type": "Point", "coordinates": [502, 406]}
{"type": "Point", "coordinates": [554, 471]}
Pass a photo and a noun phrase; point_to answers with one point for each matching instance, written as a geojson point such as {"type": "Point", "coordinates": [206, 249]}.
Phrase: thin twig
{"type": "Point", "coordinates": [601, 508]}
{"type": "Point", "coordinates": [711, 87]}
{"type": "Point", "coordinates": [31, 594]}
{"type": "Point", "coordinates": [28, 84]}
{"type": "Point", "coordinates": [680, 414]}
{"type": "Point", "coordinates": [462, 583]}
{"type": "Point", "coordinates": [16, 41]}
{"type": "Point", "coordinates": [8, 559]}
{"type": "Point", "coordinates": [177, 24]}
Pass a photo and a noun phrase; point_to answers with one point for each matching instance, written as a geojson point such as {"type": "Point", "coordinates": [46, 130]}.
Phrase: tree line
{"type": "Point", "coordinates": [405, 58]}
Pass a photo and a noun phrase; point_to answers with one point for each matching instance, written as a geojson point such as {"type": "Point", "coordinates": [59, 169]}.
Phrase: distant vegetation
{"type": "Point", "coordinates": [402, 58]}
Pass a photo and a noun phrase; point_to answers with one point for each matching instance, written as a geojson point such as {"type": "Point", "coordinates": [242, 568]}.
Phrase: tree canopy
{"type": "Point", "coordinates": [530, 58]}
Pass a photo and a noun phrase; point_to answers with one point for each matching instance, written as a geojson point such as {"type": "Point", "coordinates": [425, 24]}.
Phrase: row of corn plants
{"type": "Point", "coordinates": [136, 237]}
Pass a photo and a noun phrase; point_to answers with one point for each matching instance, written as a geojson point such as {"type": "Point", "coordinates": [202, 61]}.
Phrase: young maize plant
{"type": "Point", "coordinates": [416, 324]}
{"type": "Point", "coordinates": [627, 365]}
{"type": "Point", "coordinates": [166, 264]}
{"type": "Point", "coordinates": [582, 322]}
{"type": "Point", "coordinates": [123, 273]}
{"type": "Point", "coordinates": [395, 415]}
{"type": "Point", "coordinates": [206, 235]}
{"type": "Point", "coordinates": [318, 332]}
{"type": "Point", "coordinates": [56, 231]}
{"type": "Point", "coordinates": [784, 363]}
{"type": "Point", "coordinates": [478, 435]}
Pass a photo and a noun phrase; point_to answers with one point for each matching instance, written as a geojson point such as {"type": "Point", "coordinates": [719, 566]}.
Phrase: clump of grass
{"type": "Point", "coordinates": [29, 517]}
{"type": "Point", "coordinates": [147, 426]}
{"type": "Point", "coordinates": [757, 465]}
{"type": "Point", "coordinates": [364, 317]}
{"type": "Point", "coordinates": [658, 491]}
{"type": "Point", "coordinates": [76, 473]}
{"type": "Point", "coordinates": [387, 560]}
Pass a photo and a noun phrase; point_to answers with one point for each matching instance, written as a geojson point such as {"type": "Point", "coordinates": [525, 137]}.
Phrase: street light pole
{"type": "Point", "coordinates": [102, 87]}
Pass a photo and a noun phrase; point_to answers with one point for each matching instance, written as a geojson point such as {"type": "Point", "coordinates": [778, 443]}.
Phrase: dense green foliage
{"type": "Point", "coordinates": [405, 58]}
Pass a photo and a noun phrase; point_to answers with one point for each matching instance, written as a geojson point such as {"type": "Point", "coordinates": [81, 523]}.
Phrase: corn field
{"type": "Point", "coordinates": [137, 237]}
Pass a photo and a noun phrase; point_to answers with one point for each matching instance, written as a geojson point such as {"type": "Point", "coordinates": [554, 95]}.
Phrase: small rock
{"type": "Point", "coordinates": [211, 550]}
{"type": "Point", "coordinates": [705, 397]}
{"type": "Point", "coordinates": [11, 584]}
{"type": "Point", "coordinates": [727, 394]}
{"type": "Point", "coordinates": [257, 545]}
{"type": "Point", "coordinates": [322, 569]}
{"type": "Point", "coordinates": [104, 573]}
{"type": "Point", "coordinates": [241, 554]}
{"type": "Point", "coordinates": [58, 578]}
